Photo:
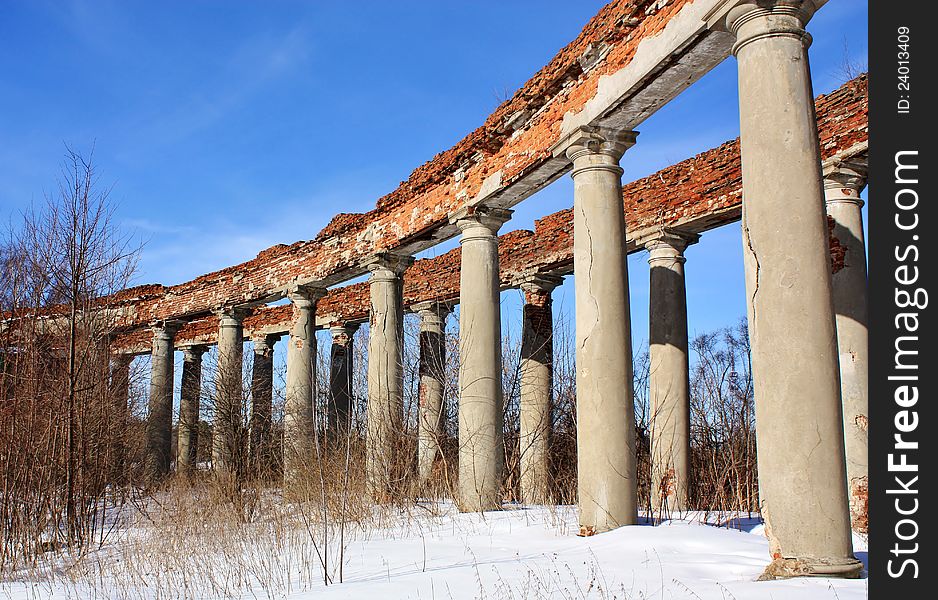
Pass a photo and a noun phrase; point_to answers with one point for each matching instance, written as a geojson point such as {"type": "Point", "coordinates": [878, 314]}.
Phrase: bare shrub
{"type": "Point", "coordinates": [206, 534]}
{"type": "Point", "coordinates": [723, 436]}
{"type": "Point", "coordinates": [62, 424]}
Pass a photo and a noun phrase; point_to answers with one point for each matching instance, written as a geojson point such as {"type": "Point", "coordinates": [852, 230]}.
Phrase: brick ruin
{"type": "Point", "coordinates": [793, 182]}
{"type": "Point", "coordinates": [708, 196]}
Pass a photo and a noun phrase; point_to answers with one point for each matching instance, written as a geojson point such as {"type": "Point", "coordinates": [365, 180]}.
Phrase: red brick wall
{"type": "Point", "coordinates": [443, 184]}
{"type": "Point", "coordinates": [697, 194]}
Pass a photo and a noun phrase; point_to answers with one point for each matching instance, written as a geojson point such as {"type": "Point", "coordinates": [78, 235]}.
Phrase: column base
{"type": "Point", "coordinates": [591, 530]}
{"type": "Point", "coordinates": [478, 505]}
{"type": "Point", "coordinates": [785, 568]}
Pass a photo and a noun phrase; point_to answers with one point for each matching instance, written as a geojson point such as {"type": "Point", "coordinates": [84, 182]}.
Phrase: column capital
{"type": "Point", "coordinates": [387, 266]}
{"type": "Point", "coordinates": [595, 141]}
{"type": "Point", "coordinates": [343, 329]}
{"type": "Point", "coordinates": [431, 310]}
{"type": "Point", "coordinates": [166, 328]}
{"type": "Point", "coordinates": [539, 283]}
{"type": "Point", "coordinates": [231, 316]}
{"type": "Point", "coordinates": [751, 20]}
{"type": "Point", "coordinates": [667, 244]}
{"type": "Point", "coordinates": [481, 221]}
{"type": "Point", "coordinates": [844, 180]}
{"type": "Point", "coordinates": [263, 342]}
{"type": "Point", "coordinates": [192, 352]}
{"type": "Point", "coordinates": [305, 296]}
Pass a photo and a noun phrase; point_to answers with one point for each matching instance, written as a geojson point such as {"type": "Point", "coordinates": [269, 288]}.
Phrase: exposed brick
{"type": "Point", "coordinates": [697, 194]}
{"type": "Point", "coordinates": [504, 143]}
{"type": "Point", "coordinates": [838, 250]}
{"type": "Point", "coordinates": [514, 141]}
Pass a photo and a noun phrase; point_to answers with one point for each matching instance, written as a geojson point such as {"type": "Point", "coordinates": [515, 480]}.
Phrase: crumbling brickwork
{"type": "Point", "coordinates": [838, 250]}
{"type": "Point", "coordinates": [651, 49]}
{"type": "Point", "coordinates": [698, 194]}
{"type": "Point", "coordinates": [513, 142]}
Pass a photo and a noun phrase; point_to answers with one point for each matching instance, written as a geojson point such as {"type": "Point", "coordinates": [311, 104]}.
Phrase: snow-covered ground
{"type": "Point", "coordinates": [514, 554]}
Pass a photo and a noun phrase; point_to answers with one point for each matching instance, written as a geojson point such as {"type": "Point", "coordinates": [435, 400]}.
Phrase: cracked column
{"type": "Point", "coordinates": [298, 417]}
{"type": "Point", "coordinates": [799, 420]}
{"type": "Point", "coordinates": [669, 379]}
{"type": "Point", "coordinates": [481, 407]}
{"type": "Point", "coordinates": [432, 376]}
{"type": "Point", "coordinates": [159, 427]}
{"type": "Point", "coordinates": [606, 476]}
{"type": "Point", "coordinates": [842, 185]}
{"type": "Point", "coordinates": [340, 379]}
{"type": "Point", "coordinates": [262, 392]}
{"type": "Point", "coordinates": [385, 407]}
{"type": "Point", "coordinates": [537, 375]}
{"type": "Point", "coordinates": [187, 434]}
{"type": "Point", "coordinates": [227, 451]}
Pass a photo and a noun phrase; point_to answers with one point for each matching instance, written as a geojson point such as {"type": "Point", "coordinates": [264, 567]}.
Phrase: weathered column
{"type": "Point", "coordinates": [842, 185]}
{"type": "Point", "coordinates": [669, 378]}
{"type": "Point", "coordinates": [298, 417]}
{"type": "Point", "coordinates": [340, 378]}
{"type": "Point", "coordinates": [605, 415]}
{"type": "Point", "coordinates": [187, 434]}
{"type": "Point", "coordinates": [799, 420]}
{"type": "Point", "coordinates": [159, 428]}
{"type": "Point", "coordinates": [481, 407]}
{"type": "Point", "coordinates": [537, 378]}
{"type": "Point", "coordinates": [119, 387]}
{"type": "Point", "coordinates": [120, 380]}
{"type": "Point", "coordinates": [432, 375]}
{"type": "Point", "coordinates": [385, 374]}
{"type": "Point", "coordinates": [262, 391]}
{"type": "Point", "coordinates": [227, 451]}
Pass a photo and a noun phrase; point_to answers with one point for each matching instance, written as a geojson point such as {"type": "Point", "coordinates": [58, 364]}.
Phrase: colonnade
{"type": "Point", "coordinates": [807, 331]}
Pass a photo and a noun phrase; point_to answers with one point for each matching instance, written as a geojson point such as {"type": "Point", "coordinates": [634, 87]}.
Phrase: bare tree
{"type": "Point", "coordinates": [61, 269]}
{"type": "Point", "coordinates": [723, 441]}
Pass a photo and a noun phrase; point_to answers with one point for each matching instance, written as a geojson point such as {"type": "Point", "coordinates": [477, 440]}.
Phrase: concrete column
{"type": "Point", "coordinates": [262, 391]}
{"type": "Point", "coordinates": [187, 435]}
{"type": "Point", "coordinates": [120, 381]}
{"type": "Point", "coordinates": [537, 378]}
{"type": "Point", "coordinates": [606, 476]}
{"type": "Point", "coordinates": [227, 446]}
{"type": "Point", "coordinates": [159, 427]}
{"type": "Point", "coordinates": [340, 378]}
{"type": "Point", "coordinates": [385, 374]}
{"type": "Point", "coordinates": [481, 407]}
{"type": "Point", "coordinates": [120, 396]}
{"type": "Point", "coordinates": [669, 378]}
{"type": "Point", "coordinates": [432, 376]}
{"type": "Point", "coordinates": [799, 420]}
{"type": "Point", "coordinates": [842, 185]}
{"type": "Point", "coordinates": [298, 416]}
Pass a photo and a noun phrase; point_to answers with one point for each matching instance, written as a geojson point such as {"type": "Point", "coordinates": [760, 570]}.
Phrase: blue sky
{"type": "Point", "coordinates": [227, 127]}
